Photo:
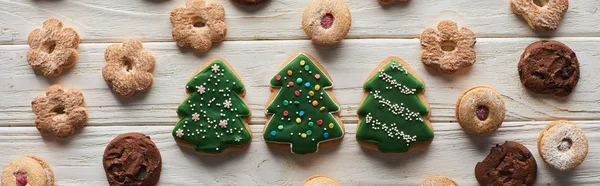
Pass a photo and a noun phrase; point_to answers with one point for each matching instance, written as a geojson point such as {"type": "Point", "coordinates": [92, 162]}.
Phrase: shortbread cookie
{"type": "Point", "coordinates": [27, 171]}
{"type": "Point", "coordinates": [562, 145]}
{"type": "Point", "coordinates": [541, 14]}
{"type": "Point", "coordinates": [250, 2]}
{"type": "Point", "coordinates": [302, 113]}
{"type": "Point", "coordinates": [326, 22]}
{"type": "Point", "coordinates": [480, 110]}
{"type": "Point", "coordinates": [198, 24]}
{"type": "Point", "coordinates": [214, 118]}
{"type": "Point", "coordinates": [448, 48]}
{"type": "Point", "coordinates": [549, 67]}
{"type": "Point", "coordinates": [508, 164]}
{"type": "Point", "coordinates": [132, 159]}
{"type": "Point", "coordinates": [394, 114]}
{"type": "Point", "coordinates": [128, 67]}
{"type": "Point", "coordinates": [59, 112]}
{"type": "Point", "coordinates": [320, 180]}
{"type": "Point", "coordinates": [439, 181]}
{"type": "Point", "coordinates": [52, 48]}
{"type": "Point", "coordinates": [387, 2]}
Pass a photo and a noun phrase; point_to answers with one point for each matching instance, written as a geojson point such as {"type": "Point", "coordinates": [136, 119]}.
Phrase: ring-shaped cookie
{"type": "Point", "coordinates": [447, 47]}
{"type": "Point", "coordinates": [198, 24]}
{"type": "Point", "coordinates": [439, 180]}
{"type": "Point", "coordinates": [320, 180]}
{"type": "Point", "coordinates": [326, 22]}
{"type": "Point", "coordinates": [562, 145]}
{"type": "Point", "coordinates": [545, 15]}
{"type": "Point", "coordinates": [480, 110]}
{"type": "Point", "coordinates": [27, 170]}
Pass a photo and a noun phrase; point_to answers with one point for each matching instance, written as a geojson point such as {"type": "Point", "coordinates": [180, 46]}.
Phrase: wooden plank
{"type": "Point", "coordinates": [258, 61]}
{"type": "Point", "coordinates": [453, 153]}
{"type": "Point", "coordinates": [114, 20]}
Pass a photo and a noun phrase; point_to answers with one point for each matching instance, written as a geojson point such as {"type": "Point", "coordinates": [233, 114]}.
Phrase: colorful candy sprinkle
{"type": "Point", "coordinates": [311, 93]}
{"type": "Point", "coordinates": [299, 80]}
{"type": "Point", "coordinates": [307, 84]}
{"type": "Point", "coordinates": [291, 84]}
{"type": "Point", "coordinates": [301, 113]}
{"type": "Point", "coordinates": [322, 108]}
{"type": "Point", "coordinates": [289, 72]}
{"type": "Point", "coordinates": [325, 135]}
{"type": "Point", "coordinates": [273, 133]}
{"type": "Point", "coordinates": [278, 77]}
{"type": "Point", "coordinates": [286, 102]}
{"type": "Point", "coordinates": [319, 122]}
{"type": "Point", "coordinates": [317, 76]}
{"type": "Point", "coordinates": [315, 103]}
{"type": "Point", "coordinates": [317, 87]}
{"type": "Point", "coordinates": [280, 127]}
{"type": "Point", "coordinates": [303, 135]}
{"type": "Point", "coordinates": [307, 68]}
{"type": "Point", "coordinates": [309, 132]}
{"type": "Point", "coordinates": [310, 124]}
{"type": "Point", "coordinates": [285, 113]}
{"type": "Point", "coordinates": [297, 93]}
{"type": "Point", "coordinates": [331, 125]}
{"type": "Point", "coordinates": [302, 62]}
{"type": "Point", "coordinates": [298, 120]}
{"type": "Point", "coordinates": [296, 102]}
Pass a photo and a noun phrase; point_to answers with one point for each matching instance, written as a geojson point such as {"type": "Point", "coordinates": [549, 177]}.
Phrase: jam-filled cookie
{"type": "Point", "coordinates": [320, 180]}
{"type": "Point", "coordinates": [562, 145]}
{"type": "Point", "coordinates": [541, 14]}
{"type": "Point", "coordinates": [508, 164]}
{"type": "Point", "coordinates": [326, 22]}
{"type": "Point", "coordinates": [439, 181]}
{"type": "Point", "coordinates": [480, 110]}
{"type": "Point", "coordinates": [549, 67]}
{"type": "Point", "coordinates": [27, 171]}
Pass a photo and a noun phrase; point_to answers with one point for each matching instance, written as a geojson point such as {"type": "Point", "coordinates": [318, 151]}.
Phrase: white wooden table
{"type": "Point", "coordinates": [259, 40]}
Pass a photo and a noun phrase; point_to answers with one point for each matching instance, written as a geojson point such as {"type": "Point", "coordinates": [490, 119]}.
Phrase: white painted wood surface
{"type": "Point", "coordinates": [259, 40]}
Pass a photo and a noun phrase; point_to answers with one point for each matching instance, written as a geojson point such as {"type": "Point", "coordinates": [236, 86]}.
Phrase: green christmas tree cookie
{"type": "Point", "coordinates": [213, 117]}
{"type": "Point", "coordinates": [394, 114]}
{"type": "Point", "coordinates": [301, 111]}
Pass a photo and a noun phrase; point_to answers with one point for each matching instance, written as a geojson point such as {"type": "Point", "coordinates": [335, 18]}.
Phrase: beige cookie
{"type": "Point", "coordinates": [326, 22]}
{"type": "Point", "coordinates": [59, 112]}
{"type": "Point", "coordinates": [128, 67]}
{"type": "Point", "coordinates": [27, 171]}
{"type": "Point", "coordinates": [320, 180]}
{"type": "Point", "coordinates": [439, 181]}
{"type": "Point", "coordinates": [198, 24]}
{"type": "Point", "coordinates": [448, 48]}
{"type": "Point", "coordinates": [52, 48]}
{"type": "Point", "coordinates": [543, 15]}
{"type": "Point", "coordinates": [562, 145]}
{"type": "Point", "coordinates": [387, 2]}
{"type": "Point", "coordinates": [480, 110]}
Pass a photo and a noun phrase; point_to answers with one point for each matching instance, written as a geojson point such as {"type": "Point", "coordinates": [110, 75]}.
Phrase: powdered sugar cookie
{"type": "Point", "coordinates": [59, 112]}
{"type": "Point", "coordinates": [198, 24]}
{"type": "Point", "coordinates": [480, 110]}
{"type": "Point", "coordinates": [562, 145]}
{"type": "Point", "coordinates": [320, 180]}
{"type": "Point", "coordinates": [541, 14]}
{"type": "Point", "coordinates": [448, 48]}
{"type": "Point", "coordinates": [439, 181]}
{"type": "Point", "coordinates": [326, 22]}
{"type": "Point", "coordinates": [128, 67]}
{"type": "Point", "coordinates": [28, 171]}
{"type": "Point", "coordinates": [52, 48]}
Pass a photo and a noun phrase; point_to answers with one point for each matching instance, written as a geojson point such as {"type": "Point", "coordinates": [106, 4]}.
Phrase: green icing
{"type": "Point", "coordinates": [392, 110]}
{"type": "Point", "coordinates": [286, 129]}
{"type": "Point", "coordinates": [214, 98]}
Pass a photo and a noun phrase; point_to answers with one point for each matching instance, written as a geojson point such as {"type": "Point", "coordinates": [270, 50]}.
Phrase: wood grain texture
{"type": "Point", "coordinates": [114, 20]}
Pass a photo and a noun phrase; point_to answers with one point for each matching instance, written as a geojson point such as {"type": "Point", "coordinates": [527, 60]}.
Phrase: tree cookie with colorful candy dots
{"type": "Point", "coordinates": [302, 114]}
{"type": "Point", "coordinates": [214, 118]}
{"type": "Point", "coordinates": [394, 114]}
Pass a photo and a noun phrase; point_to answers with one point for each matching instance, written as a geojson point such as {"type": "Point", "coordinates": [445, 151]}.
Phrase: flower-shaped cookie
{"type": "Point", "coordinates": [59, 112]}
{"type": "Point", "coordinates": [52, 47]}
{"type": "Point", "coordinates": [546, 16]}
{"type": "Point", "coordinates": [198, 24]}
{"type": "Point", "coordinates": [448, 48]}
{"type": "Point", "coordinates": [128, 67]}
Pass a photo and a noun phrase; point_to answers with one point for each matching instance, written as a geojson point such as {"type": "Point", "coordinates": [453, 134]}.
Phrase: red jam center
{"type": "Point", "coordinates": [21, 179]}
{"type": "Point", "coordinates": [327, 20]}
{"type": "Point", "coordinates": [482, 112]}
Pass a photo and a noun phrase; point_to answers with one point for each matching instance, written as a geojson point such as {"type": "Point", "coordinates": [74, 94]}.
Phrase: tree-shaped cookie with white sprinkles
{"type": "Point", "coordinates": [394, 115]}
{"type": "Point", "coordinates": [302, 113]}
{"type": "Point", "coordinates": [214, 118]}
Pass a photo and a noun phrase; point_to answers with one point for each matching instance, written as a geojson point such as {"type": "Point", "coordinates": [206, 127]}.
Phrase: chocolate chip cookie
{"type": "Point", "coordinates": [508, 164]}
{"type": "Point", "coordinates": [132, 159]}
{"type": "Point", "coordinates": [549, 67]}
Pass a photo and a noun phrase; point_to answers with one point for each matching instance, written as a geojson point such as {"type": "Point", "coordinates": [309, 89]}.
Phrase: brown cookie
{"type": "Point", "coordinates": [326, 22]}
{"type": "Point", "coordinates": [198, 24]}
{"type": "Point", "coordinates": [549, 67]}
{"type": "Point", "coordinates": [27, 171]}
{"type": "Point", "coordinates": [59, 112]}
{"type": "Point", "coordinates": [563, 145]}
{"type": "Point", "coordinates": [448, 48]}
{"type": "Point", "coordinates": [320, 180]}
{"type": "Point", "coordinates": [508, 164]}
{"type": "Point", "coordinates": [439, 181]}
{"type": "Point", "coordinates": [250, 2]}
{"type": "Point", "coordinates": [541, 14]}
{"type": "Point", "coordinates": [52, 48]}
{"type": "Point", "coordinates": [132, 159]}
{"type": "Point", "coordinates": [128, 67]}
{"type": "Point", "coordinates": [480, 110]}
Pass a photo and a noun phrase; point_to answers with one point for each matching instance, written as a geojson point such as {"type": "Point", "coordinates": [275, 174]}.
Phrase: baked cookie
{"type": "Point", "coordinates": [128, 67]}
{"type": "Point", "coordinates": [250, 2]}
{"type": "Point", "coordinates": [132, 159]}
{"type": "Point", "coordinates": [562, 145]}
{"type": "Point", "coordinates": [480, 110]}
{"type": "Point", "coordinates": [198, 24]}
{"type": "Point", "coordinates": [320, 180]}
{"type": "Point", "coordinates": [27, 171]}
{"type": "Point", "coordinates": [508, 164]}
{"type": "Point", "coordinates": [52, 48]}
{"type": "Point", "coordinates": [549, 67]}
{"type": "Point", "coordinates": [448, 48]}
{"type": "Point", "coordinates": [326, 22]}
{"type": "Point", "coordinates": [302, 113]}
{"type": "Point", "coordinates": [439, 181]}
{"type": "Point", "coordinates": [387, 2]}
{"type": "Point", "coordinates": [59, 112]}
{"type": "Point", "coordinates": [394, 114]}
{"type": "Point", "coordinates": [214, 118]}
{"type": "Point", "coordinates": [543, 15]}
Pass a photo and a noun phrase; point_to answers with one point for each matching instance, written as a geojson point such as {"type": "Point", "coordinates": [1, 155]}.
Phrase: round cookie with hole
{"type": "Point", "coordinates": [128, 68]}
{"type": "Point", "coordinates": [27, 171]}
{"type": "Point", "coordinates": [480, 110]}
{"type": "Point", "coordinates": [326, 22]}
{"type": "Point", "coordinates": [562, 145]}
